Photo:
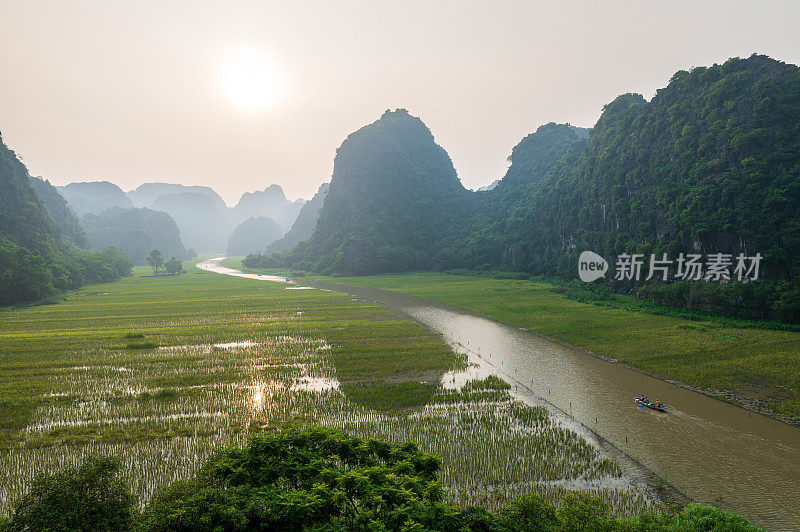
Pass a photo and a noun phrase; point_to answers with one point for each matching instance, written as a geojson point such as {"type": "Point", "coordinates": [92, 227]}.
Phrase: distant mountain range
{"type": "Point", "coordinates": [94, 197]}
{"type": "Point", "coordinates": [146, 194]}
{"type": "Point", "coordinates": [204, 220]}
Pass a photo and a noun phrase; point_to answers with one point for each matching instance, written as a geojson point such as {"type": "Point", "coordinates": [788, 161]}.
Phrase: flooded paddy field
{"type": "Point", "coordinates": [163, 371]}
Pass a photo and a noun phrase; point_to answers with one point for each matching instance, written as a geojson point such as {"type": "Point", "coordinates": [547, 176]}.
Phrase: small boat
{"type": "Point", "coordinates": [645, 403]}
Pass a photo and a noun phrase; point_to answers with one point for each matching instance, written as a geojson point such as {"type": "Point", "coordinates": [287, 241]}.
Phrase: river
{"type": "Point", "coordinates": [710, 450]}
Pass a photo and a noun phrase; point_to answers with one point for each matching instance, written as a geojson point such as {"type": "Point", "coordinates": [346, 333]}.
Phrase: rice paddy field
{"type": "Point", "coordinates": [163, 370]}
{"type": "Point", "coordinates": [736, 360]}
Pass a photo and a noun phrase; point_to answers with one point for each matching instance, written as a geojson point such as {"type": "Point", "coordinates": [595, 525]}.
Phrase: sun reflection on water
{"type": "Point", "coordinates": [258, 396]}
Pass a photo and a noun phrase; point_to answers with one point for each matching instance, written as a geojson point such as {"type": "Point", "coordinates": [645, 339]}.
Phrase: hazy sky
{"type": "Point", "coordinates": [238, 95]}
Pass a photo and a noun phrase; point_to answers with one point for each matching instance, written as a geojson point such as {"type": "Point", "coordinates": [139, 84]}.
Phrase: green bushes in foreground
{"type": "Point", "coordinates": [91, 497]}
{"type": "Point", "coordinates": [316, 479]}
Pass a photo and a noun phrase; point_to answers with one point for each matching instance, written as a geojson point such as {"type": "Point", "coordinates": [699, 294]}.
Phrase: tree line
{"type": "Point", "coordinates": [316, 478]}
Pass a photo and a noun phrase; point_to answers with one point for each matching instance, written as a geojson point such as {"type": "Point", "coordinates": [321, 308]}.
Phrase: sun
{"type": "Point", "coordinates": [250, 80]}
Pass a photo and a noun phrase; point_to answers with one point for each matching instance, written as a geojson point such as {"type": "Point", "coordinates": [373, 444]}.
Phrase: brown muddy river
{"type": "Point", "coordinates": [712, 451]}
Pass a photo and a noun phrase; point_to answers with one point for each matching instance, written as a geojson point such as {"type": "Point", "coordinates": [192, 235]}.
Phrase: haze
{"type": "Point", "coordinates": [154, 91]}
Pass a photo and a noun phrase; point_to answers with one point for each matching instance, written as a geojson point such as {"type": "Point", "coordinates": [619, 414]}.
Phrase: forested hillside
{"type": "Point", "coordinates": [68, 225]}
{"type": "Point", "coordinates": [304, 224]}
{"type": "Point", "coordinates": [23, 217]}
{"type": "Point", "coordinates": [491, 237]}
{"type": "Point", "coordinates": [253, 235]}
{"type": "Point", "coordinates": [36, 258]}
{"type": "Point", "coordinates": [136, 232]}
{"type": "Point", "coordinates": [394, 199]}
{"type": "Point", "coordinates": [710, 165]}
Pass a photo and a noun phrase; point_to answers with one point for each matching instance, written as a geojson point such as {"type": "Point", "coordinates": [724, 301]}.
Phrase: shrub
{"type": "Point", "coordinates": [91, 497]}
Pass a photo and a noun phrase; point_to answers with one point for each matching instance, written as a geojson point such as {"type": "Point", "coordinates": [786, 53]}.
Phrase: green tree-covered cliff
{"type": "Point", "coordinates": [393, 201]}
{"type": "Point", "coordinates": [38, 258]}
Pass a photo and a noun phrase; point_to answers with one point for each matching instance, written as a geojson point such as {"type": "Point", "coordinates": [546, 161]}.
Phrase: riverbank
{"type": "Point", "coordinates": [683, 446]}
{"type": "Point", "coordinates": [758, 369]}
{"type": "Point", "coordinates": [658, 487]}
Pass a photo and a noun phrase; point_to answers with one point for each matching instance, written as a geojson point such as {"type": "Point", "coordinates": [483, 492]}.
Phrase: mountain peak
{"type": "Point", "coordinates": [94, 196]}
{"type": "Point", "coordinates": [393, 195]}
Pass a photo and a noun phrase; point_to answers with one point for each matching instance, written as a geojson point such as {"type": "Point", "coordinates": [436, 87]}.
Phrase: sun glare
{"type": "Point", "coordinates": [250, 80]}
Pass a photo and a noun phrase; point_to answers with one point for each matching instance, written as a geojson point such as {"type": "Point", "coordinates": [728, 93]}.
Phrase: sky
{"type": "Point", "coordinates": [238, 95]}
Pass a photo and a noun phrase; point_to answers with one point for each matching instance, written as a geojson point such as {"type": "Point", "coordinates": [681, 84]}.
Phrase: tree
{"type": "Point", "coordinates": [90, 497]}
{"type": "Point", "coordinates": [579, 511]}
{"type": "Point", "coordinates": [118, 261]}
{"type": "Point", "coordinates": [531, 513]}
{"type": "Point", "coordinates": [155, 261]}
{"type": "Point", "coordinates": [314, 478]}
{"type": "Point", "coordinates": [24, 275]}
{"type": "Point", "coordinates": [173, 266]}
{"type": "Point", "coordinates": [697, 517]}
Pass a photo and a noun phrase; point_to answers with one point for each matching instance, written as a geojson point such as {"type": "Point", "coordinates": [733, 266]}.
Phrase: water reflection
{"type": "Point", "coordinates": [258, 396]}
{"type": "Point", "coordinates": [213, 265]}
{"type": "Point", "coordinates": [315, 384]}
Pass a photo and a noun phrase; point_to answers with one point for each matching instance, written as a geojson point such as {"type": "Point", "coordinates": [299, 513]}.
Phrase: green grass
{"type": "Point", "coordinates": [142, 345]}
{"type": "Point", "coordinates": [707, 353]}
{"type": "Point", "coordinates": [232, 262]}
